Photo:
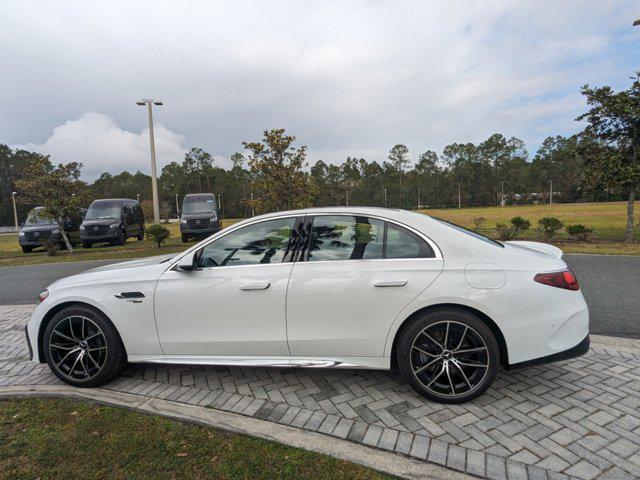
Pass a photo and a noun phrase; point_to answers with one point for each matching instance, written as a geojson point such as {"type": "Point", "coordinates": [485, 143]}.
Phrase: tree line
{"type": "Point", "coordinates": [600, 163]}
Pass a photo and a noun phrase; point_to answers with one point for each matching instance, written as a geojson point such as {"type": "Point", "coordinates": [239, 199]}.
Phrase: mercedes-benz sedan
{"type": "Point", "coordinates": [331, 287]}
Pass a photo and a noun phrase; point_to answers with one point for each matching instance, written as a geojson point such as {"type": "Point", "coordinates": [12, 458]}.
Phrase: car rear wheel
{"type": "Point", "coordinates": [140, 236]}
{"type": "Point", "coordinates": [448, 355]}
{"type": "Point", "coordinates": [82, 347]}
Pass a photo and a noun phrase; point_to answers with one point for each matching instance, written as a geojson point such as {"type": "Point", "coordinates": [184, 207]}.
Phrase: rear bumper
{"type": "Point", "coordinates": [573, 352]}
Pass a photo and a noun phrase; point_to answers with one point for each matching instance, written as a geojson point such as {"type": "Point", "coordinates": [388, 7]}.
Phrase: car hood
{"type": "Point", "coordinates": [143, 267]}
{"type": "Point", "coordinates": [38, 228]}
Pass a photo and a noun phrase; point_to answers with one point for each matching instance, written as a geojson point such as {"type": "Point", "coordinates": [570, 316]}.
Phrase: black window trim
{"type": "Point", "coordinates": [303, 255]}
{"type": "Point", "coordinates": [298, 254]}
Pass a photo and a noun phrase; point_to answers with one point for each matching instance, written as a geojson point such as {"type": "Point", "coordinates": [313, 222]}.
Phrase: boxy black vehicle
{"type": "Point", "coordinates": [39, 229]}
{"type": "Point", "coordinates": [112, 220]}
{"type": "Point", "coordinates": [199, 216]}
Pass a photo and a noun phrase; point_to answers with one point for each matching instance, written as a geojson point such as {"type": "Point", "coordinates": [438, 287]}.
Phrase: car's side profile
{"type": "Point", "coordinates": [332, 287]}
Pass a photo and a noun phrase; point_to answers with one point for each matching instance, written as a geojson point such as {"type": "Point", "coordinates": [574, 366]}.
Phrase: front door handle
{"type": "Point", "coordinates": [255, 286]}
{"type": "Point", "coordinates": [390, 283]}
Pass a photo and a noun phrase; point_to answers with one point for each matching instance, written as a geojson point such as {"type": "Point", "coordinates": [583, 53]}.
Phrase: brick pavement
{"type": "Point", "coordinates": [575, 419]}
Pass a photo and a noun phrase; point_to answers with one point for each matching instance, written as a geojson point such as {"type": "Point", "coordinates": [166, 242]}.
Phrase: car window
{"type": "Point", "coordinates": [402, 243]}
{"type": "Point", "coordinates": [260, 243]}
{"type": "Point", "coordinates": [343, 237]}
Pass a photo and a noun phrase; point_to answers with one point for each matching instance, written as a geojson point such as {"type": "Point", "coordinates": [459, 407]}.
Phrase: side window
{"type": "Point", "coordinates": [263, 242]}
{"type": "Point", "coordinates": [127, 211]}
{"type": "Point", "coordinates": [402, 243]}
{"type": "Point", "coordinates": [342, 237]}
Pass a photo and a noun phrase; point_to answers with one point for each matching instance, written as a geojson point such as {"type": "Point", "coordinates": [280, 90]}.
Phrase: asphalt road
{"type": "Point", "coordinates": [610, 284]}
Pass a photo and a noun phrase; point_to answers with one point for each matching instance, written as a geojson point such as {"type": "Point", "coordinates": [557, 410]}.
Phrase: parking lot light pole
{"type": "Point", "coordinates": [149, 102]}
{"type": "Point", "coordinates": [15, 211]}
{"type": "Point", "coordinates": [177, 206]}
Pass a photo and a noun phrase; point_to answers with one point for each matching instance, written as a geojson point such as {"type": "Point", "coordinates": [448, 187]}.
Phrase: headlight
{"type": "Point", "coordinates": [81, 227]}
{"type": "Point", "coordinates": [54, 231]}
{"type": "Point", "coordinates": [43, 294]}
{"type": "Point", "coordinates": [212, 219]}
{"type": "Point", "coordinates": [21, 234]}
{"type": "Point", "coordinates": [182, 220]}
{"type": "Point", "coordinates": [114, 225]}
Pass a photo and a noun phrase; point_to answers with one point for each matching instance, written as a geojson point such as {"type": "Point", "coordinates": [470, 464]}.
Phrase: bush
{"type": "Point", "coordinates": [579, 232]}
{"type": "Point", "coordinates": [158, 233]}
{"type": "Point", "coordinates": [511, 232]}
{"type": "Point", "coordinates": [548, 226]}
{"type": "Point", "coordinates": [51, 247]}
{"type": "Point", "coordinates": [478, 222]}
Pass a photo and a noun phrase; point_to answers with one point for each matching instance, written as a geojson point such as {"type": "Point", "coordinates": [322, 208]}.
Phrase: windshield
{"type": "Point", "coordinates": [198, 205]}
{"type": "Point", "coordinates": [100, 210]}
{"type": "Point", "coordinates": [469, 232]}
{"type": "Point", "coordinates": [35, 217]}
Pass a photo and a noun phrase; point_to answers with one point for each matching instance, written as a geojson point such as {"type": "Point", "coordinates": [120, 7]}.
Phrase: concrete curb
{"type": "Point", "coordinates": [383, 461]}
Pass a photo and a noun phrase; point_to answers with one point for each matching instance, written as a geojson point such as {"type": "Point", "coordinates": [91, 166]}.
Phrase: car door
{"type": "Point", "coordinates": [355, 278]}
{"type": "Point", "coordinates": [234, 302]}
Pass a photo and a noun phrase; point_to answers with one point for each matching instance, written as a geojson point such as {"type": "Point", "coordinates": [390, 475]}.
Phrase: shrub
{"type": "Point", "coordinates": [478, 222]}
{"type": "Point", "coordinates": [51, 247]}
{"type": "Point", "coordinates": [579, 232]}
{"type": "Point", "coordinates": [548, 226]}
{"type": "Point", "coordinates": [517, 226]}
{"type": "Point", "coordinates": [158, 233]}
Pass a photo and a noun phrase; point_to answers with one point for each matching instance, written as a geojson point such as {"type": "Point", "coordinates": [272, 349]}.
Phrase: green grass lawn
{"type": "Point", "coordinates": [608, 220]}
{"type": "Point", "coordinates": [59, 438]}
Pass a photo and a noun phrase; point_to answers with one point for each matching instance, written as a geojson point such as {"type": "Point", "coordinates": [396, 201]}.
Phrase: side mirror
{"type": "Point", "coordinates": [189, 262]}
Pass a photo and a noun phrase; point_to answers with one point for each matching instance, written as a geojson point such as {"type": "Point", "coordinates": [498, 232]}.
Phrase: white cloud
{"type": "Point", "coordinates": [99, 143]}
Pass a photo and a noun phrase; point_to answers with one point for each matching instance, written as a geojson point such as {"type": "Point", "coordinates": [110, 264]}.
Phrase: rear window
{"type": "Point", "coordinates": [469, 232]}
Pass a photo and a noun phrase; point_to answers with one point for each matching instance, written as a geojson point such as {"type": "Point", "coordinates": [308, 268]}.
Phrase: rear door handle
{"type": "Point", "coordinates": [390, 283]}
{"type": "Point", "coordinates": [255, 286]}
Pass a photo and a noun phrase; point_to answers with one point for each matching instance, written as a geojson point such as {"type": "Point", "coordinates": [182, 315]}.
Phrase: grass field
{"type": "Point", "coordinates": [608, 220]}
{"type": "Point", "coordinates": [57, 438]}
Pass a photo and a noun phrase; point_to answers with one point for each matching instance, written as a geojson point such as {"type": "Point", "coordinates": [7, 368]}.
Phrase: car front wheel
{"type": "Point", "coordinates": [448, 355]}
{"type": "Point", "coordinates": [82, 347]}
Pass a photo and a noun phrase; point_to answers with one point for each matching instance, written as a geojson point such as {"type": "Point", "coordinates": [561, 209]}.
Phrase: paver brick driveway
{"type": "Point", "coordinates": [578, 418]}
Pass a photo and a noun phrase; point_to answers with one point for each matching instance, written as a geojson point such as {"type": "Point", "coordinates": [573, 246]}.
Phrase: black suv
{"type": "Point", "coordinates": [199, 217]}
{"type": "Point", "coordinates": [38, 229]}
{"type": "Point", "coordinates": [112, 220]}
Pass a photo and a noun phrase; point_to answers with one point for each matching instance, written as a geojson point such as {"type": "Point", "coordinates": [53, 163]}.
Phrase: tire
{"type": "Point", "coordinates": [79, 362]}
{"type": "Point", "coordinates": [122, 239]}
{"type": "Point", "coordinates": [185, 238]}
{"type": "Point", "coordinates": [140, 236]}
{"type": "Point", "coordinates": [441, 374]}
{"type": "Point", "coordinates": [87, 244]}
{"type": "Point", "coordinates": [26, 249]}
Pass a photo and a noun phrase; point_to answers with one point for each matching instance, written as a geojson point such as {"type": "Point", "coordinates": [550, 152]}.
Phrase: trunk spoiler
{"type": "Point", "coordinates": [537, 247]}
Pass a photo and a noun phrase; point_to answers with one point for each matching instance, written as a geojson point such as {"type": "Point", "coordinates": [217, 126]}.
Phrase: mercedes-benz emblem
{"type": "Point", "coordinates": [37, 234]}
{"type": "Point", "coordinates": [95, 229]}
{"type": "Point", "coordinates": [197, 222]}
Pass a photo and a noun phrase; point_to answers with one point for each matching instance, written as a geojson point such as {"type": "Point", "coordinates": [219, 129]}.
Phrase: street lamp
{"type": "Point", "coordinates": [149, 102]}
{"type": "Point", "coordinates": [138, 197]}
{"type": "Point", "coordinates": [15, 211]}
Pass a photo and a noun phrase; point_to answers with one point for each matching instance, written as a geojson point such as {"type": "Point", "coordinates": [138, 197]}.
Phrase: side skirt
{"type": "Point", "coordinates": [375, 363]}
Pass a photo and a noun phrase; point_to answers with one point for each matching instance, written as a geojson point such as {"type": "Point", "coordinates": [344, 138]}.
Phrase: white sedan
{"type": "Point", "coordinates": [329, 287]}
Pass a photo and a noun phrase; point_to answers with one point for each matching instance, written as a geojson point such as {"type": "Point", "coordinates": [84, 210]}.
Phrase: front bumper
{"type": "Point", "coordinates": [107, 237]}
{"type": "Point", "coordinates": [573, 352]}
{"type": "Point", "coordinates": [208, 230]}
{"type": "Point", "coordinates": [56, 237]}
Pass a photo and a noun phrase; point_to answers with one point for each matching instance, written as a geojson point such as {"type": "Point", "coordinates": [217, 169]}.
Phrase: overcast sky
{"type": "Point", "coordinates": [347, 78]}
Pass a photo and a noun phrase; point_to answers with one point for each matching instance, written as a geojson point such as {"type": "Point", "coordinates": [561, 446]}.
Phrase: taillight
{"type": "Point", "coordinates": [562, 279]}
